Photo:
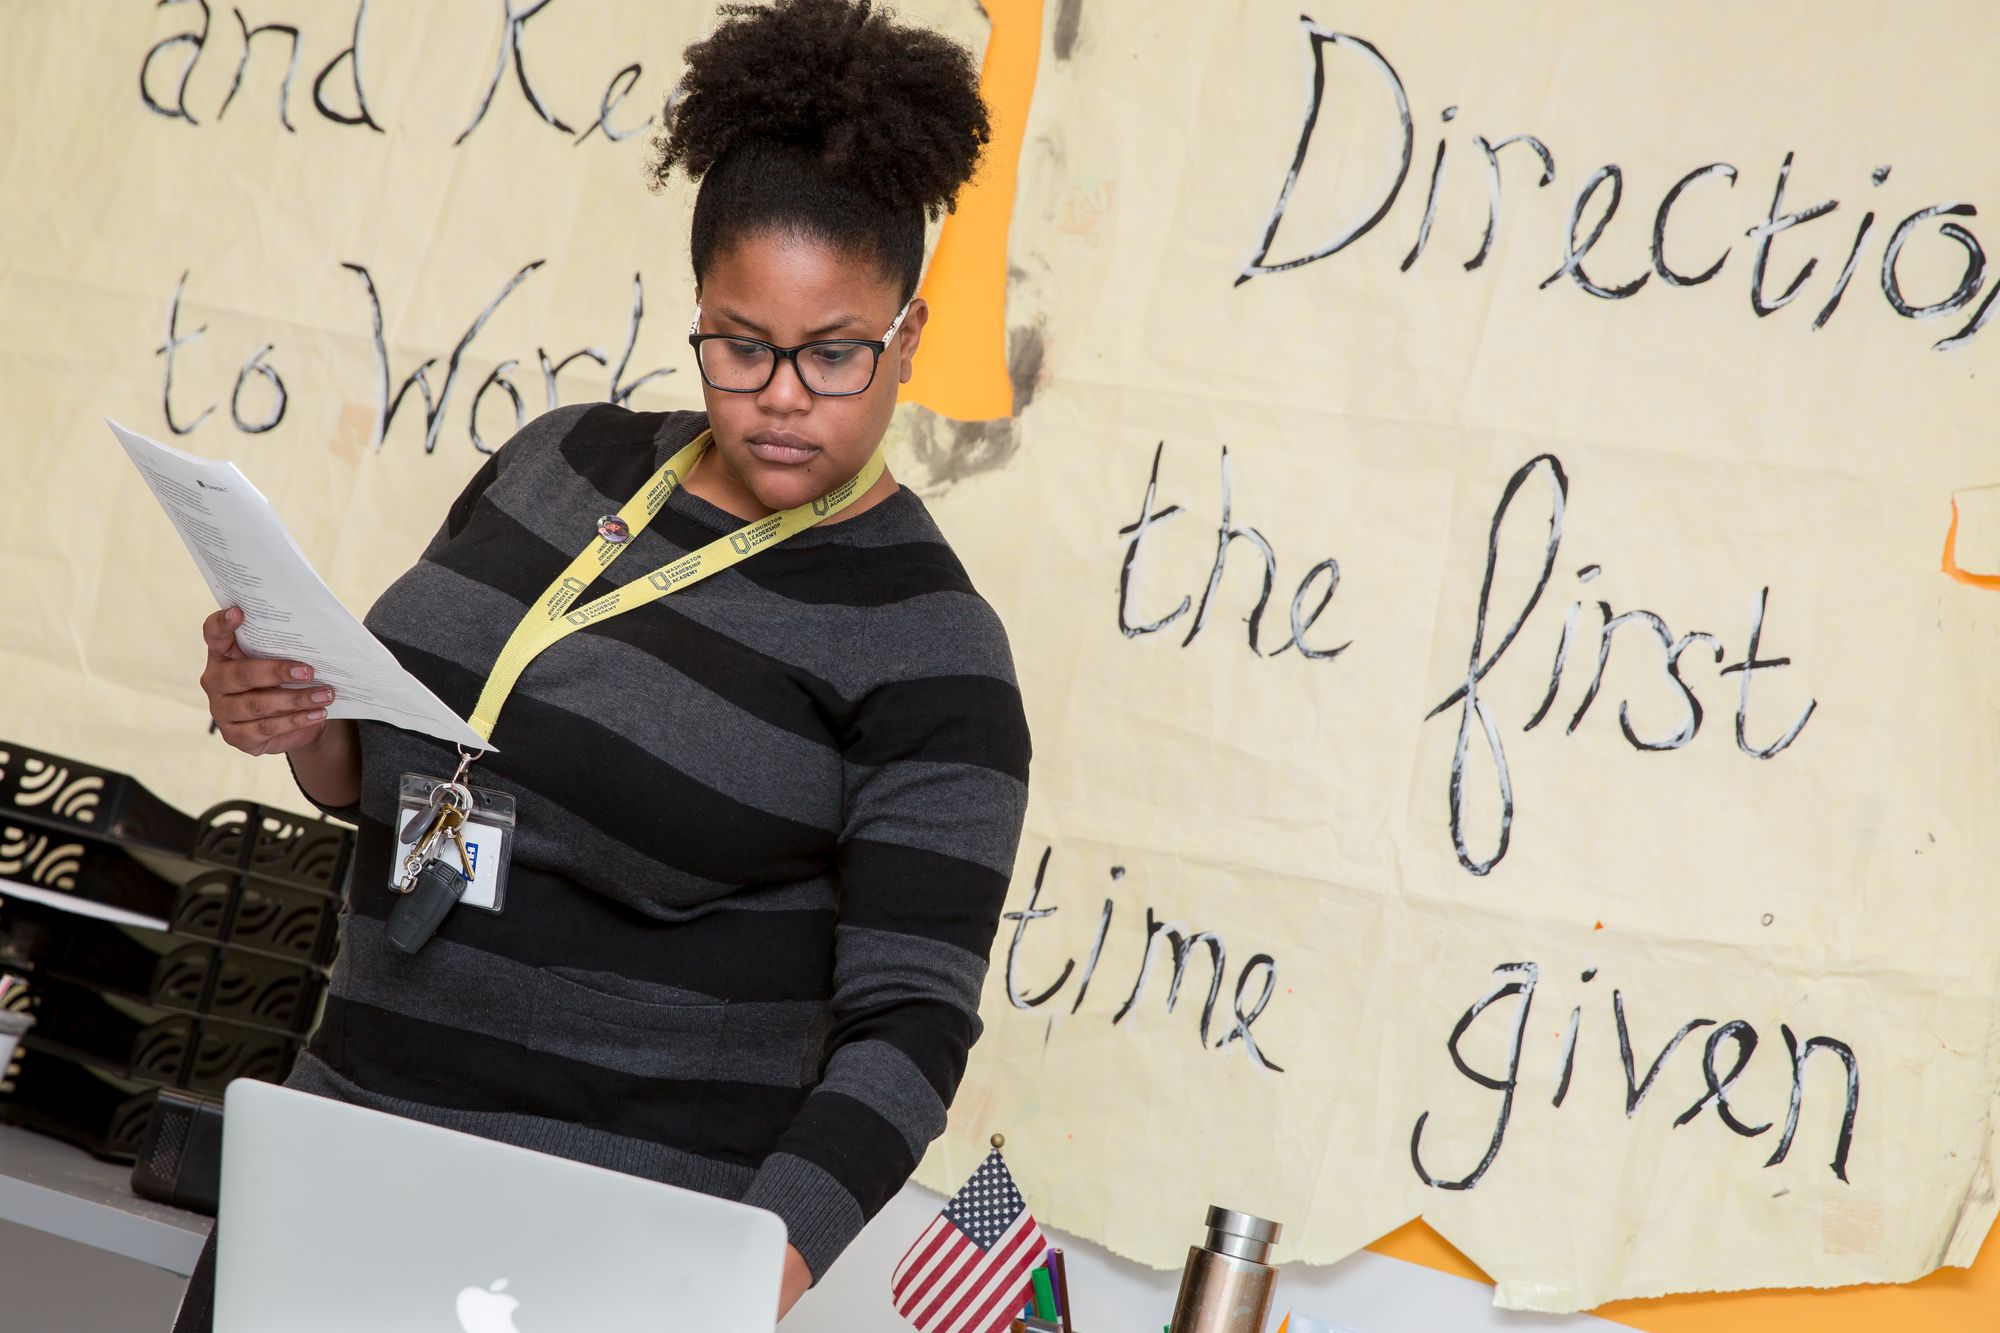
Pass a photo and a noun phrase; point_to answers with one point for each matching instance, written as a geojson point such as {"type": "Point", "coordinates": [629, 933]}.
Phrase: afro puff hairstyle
{"type": "Point", "coordinates": [825, 119]}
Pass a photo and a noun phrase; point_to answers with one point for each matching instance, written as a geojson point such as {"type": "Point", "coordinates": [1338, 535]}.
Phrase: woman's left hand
{"type": "Point", "coordinates": [797, 1278]}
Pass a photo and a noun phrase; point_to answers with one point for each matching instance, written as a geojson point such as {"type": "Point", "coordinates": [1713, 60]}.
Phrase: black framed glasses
{"type": "Point", "coordinates": [828, 367]}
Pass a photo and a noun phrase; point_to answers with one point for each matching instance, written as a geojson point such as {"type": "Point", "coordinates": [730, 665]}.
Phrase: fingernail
{"type": "Point", "coordinates": [301, 673]}
{"type": "Point", "coordinates": [315, 714]}
{"type": "Point", "coordinates": [322, 696]}
{"type": "Point", "coordinates": [233, 616]}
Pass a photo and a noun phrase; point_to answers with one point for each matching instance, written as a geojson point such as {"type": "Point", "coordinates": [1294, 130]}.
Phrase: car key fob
{"type": "Point", "coordinates": [418, 913]}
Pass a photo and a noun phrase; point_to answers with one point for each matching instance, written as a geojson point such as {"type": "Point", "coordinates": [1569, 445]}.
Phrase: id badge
{"type": "Point", "coordinates": [489, 838]}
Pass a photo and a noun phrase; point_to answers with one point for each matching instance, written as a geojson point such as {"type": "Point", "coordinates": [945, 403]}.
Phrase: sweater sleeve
{"type": "Point", "coordinates": [936, 769]}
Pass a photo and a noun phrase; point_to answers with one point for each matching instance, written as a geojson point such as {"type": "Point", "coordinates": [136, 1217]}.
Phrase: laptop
{"type": "Point", "coordinates": [336, 1218]}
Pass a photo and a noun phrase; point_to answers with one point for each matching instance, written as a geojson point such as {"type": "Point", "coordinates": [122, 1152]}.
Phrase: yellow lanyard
{"type": "Point", "coordinates": [552, 620]}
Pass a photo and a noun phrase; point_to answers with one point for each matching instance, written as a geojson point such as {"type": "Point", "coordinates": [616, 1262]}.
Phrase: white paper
{"type": "Point", "coordinates": [249, 560]}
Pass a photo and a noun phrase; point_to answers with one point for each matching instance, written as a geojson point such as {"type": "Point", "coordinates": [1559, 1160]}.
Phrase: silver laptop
{"type": "Point", "coordinates": [336, 1218]}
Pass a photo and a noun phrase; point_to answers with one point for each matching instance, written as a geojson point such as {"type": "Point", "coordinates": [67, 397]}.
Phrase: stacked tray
{"type": "Point", "coordinates": [160, 950]}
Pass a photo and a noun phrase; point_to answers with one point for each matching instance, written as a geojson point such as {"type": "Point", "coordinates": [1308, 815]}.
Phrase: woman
{"type": "Point", "coordinates": [766, 823]}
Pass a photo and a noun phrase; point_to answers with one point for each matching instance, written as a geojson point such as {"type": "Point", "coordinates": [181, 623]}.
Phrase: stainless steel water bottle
{"type": "Point", "coordinates": [1226, 1286]}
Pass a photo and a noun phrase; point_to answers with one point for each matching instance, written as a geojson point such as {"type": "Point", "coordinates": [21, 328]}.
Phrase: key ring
{"type": "Point", "coordinates": [429, 825]}
{"type": "Point", "coordinates": [457, 793]}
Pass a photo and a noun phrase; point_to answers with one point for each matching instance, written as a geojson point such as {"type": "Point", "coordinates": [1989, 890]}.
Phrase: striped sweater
{"type": "Point", "coordinates": [765, 829]}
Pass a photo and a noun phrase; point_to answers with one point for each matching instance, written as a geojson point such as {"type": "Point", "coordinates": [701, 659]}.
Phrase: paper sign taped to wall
{"type": "Point", "coordinates": [1506, 750]}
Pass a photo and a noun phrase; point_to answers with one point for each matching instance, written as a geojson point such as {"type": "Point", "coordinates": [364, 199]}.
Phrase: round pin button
{"type": "Point", "coordinates": [614, 529]}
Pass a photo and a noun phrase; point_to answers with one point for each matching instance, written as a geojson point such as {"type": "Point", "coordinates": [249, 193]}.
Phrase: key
{"type": "Point", "coordinates": [445, 825]}
{"type": "Point", "coordinates": [420, 851]}
{"type": "Point", "coordinates": [420, 819]}
{"type": "Point", "coordinates": [418, 913]}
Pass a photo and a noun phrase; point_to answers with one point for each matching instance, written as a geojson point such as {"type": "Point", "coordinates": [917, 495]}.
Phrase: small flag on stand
{"type": "Point", "coordinates": [970, 1270]}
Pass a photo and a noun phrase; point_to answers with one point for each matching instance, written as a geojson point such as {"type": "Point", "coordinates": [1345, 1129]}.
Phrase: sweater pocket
{"type": "Point", "coordinates": [630, 1027]}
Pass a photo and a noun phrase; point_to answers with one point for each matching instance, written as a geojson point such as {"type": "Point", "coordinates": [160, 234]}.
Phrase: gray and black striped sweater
{"type": "Point", "coordinates": [766, 827]}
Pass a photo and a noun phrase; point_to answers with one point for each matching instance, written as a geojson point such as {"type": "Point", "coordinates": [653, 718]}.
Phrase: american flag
{"type": "Point", "coordinates": [968, 1271]}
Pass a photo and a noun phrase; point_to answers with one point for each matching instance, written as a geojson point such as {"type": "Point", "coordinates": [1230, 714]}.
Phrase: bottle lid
{"type": "Point", "coordinates": [1241, 1235]}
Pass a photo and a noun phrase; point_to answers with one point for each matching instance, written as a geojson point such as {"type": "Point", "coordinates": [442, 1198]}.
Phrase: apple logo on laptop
{"type": "Point", "coordinates": [484, 1310]}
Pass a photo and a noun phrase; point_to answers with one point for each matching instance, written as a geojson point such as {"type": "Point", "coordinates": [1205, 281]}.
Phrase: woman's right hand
{"type": "Point", "coordinates": [261, 706]}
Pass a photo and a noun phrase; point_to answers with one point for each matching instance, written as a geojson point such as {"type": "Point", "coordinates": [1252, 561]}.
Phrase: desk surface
{"type": "Point", "coordinates": [52, 1187]}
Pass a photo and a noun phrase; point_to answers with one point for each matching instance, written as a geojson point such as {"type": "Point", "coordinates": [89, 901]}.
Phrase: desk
{"type": "Point", "coordinates": [51, 1187]}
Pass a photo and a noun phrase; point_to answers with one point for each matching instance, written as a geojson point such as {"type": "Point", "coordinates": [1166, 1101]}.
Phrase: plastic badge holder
{"type": "Point", "coordinates": [489, 838]}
